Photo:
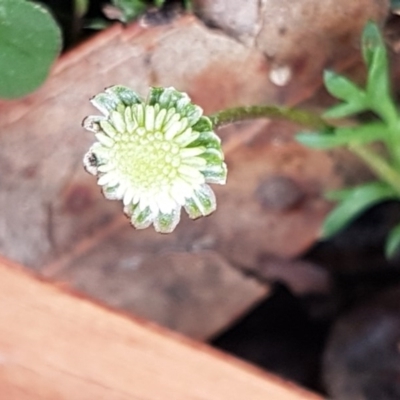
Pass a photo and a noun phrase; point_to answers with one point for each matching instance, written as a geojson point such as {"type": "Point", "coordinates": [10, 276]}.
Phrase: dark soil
{"type": "Point", "coordinates": [288, 335]}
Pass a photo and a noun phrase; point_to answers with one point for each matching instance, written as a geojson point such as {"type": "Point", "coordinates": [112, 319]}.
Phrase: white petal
{"type": "Point", "coordinates": [130, 121]}
{"type": "Point", "coordinates": [128, 196]}
{"type": "Point", "coordinates": [165, 203]}
{"type": "Point", "coordinates": [108, 128]}
{"type": "Point", "coordinates": [138, 113]}
{"type": "Point", "coordinates": [149, 118]}
{"type": "Point", "coordinates": [172, 121]}
{"type": "Point", "coordinates": [91, 123]}
{"type": "Point", "coordinates": [121, 189]}
{"type": "Point", "coordinates": [196, 162]}
{"type": "Point", "coordinates": [180, 190]}
{"type": "Point", "coordinates": [191, 175]}
{"type": "Point", "coordinates": [118, 121]}
{"type": "Point", "coordinates": [191, 152]}
{"type": "Point", "coordinates": [166, 223]}
{"type": "Point", "coordinates": [109, 178]}
{"type": "Point", "coordinates": [186, 137]}
{"type": "Point", "coordinates": [106, 167]}
{"type": "Point", "coordinates": [104, 139]}
{"type": "Point", "coordinates": [160, 119]}
{"type": "Point", "coordinates": [172, 130]}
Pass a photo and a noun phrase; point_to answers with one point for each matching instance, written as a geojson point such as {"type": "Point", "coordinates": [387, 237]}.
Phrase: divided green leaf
{"type": "Point", "coordinates": [343, 89]}
{"type": "Point", "coordinates": [354, 202]}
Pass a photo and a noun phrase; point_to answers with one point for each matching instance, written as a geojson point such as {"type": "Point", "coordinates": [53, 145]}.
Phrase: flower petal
{"type": "Point", "coordinates": [104, 139]}
{"type": "Point", "coordinates": [140, 219]}
{"type": "Point", "coordinates": [186, 137]}
{"type": "Point", "coordinates": [215, 173]}
{"type": "Point", "coordinates": [167, 222]}
{"type": "Point", "coordinates": [110, 192]}
{"type": "Point", "coordinates": [191, 152]}
{"type": "Point", "coordinates": [92, 123]}
{"type": "Point", "coordinates": [201, 203]}
{"type": "Point", "coordinates": [90, 162]}
{"type": "Point", "coordinates": [108, 128]}
{"type": "Point", "coordinates": [149, 118]}
{"type": "Point", "coordinates": [118, 120]}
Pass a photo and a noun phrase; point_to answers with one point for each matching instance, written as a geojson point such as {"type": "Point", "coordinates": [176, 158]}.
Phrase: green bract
{"type": "Point", "coordinates": [155, 155]}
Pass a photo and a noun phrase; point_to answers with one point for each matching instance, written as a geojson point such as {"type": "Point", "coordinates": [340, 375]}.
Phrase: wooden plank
{"type": "Point", "coordinates": [54, 345]}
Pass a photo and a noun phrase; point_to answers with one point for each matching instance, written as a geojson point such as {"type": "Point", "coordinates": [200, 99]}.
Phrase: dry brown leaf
{"type": "Point", "coordinates": [55, 220]}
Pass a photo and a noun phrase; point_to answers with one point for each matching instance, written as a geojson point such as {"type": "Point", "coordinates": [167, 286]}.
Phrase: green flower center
{"type": "Point", "coordinates": [147, 148]}
{"type": "Point", "coordinates": [146, 158]}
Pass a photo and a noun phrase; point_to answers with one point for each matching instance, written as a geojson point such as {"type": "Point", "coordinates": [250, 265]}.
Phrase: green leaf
{"type": "Point", "coordinates": [130, 9]}
{"type": "Point", "coordinates": [344, 89]}
{"type": "Point", "coordinates": [393, 242]}
{"type": "Point", "coordinates": [356, 201]}
{"type": "Point", "coordinates": [30, 40]}
{"type": "Point", "coordinates": [363, 134]}
{"type": "Point", "coordinates": [81, 7]}
{"type": "Point", "coordinates": [343, 110]}
{"type": "Point", "coordinates": [378, 82]}
{"type": "Point", "coordinates": [158, 3]}
{"type": "Point", "coordinates": [371, 42]}
{"type": "Point", "coordinates": [321, 140]}
{"type": "Point", "coordinates": [395, 5]}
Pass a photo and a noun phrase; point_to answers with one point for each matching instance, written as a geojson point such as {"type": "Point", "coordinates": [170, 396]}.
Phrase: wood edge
{"type": "Point", "coordinates": [64, 290]}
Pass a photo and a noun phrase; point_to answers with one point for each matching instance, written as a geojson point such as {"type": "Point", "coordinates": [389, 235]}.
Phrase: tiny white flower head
{"type": "Point", "coordinates": [155, 155]}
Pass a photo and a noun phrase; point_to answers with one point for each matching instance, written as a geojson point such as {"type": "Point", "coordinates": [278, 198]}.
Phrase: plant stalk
{"type": "Point", "coordinates": [238, 114]}
{"type": "Point", "coordinates": [378, 165]}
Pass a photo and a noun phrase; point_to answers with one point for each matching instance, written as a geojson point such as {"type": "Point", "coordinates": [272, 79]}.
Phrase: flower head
{"type": "Point", "coordinates": [155, 155]}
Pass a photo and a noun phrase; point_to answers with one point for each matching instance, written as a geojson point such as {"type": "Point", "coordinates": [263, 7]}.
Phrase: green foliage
{"type": "Point", "coordinates": [30, 40]}
{"type": "Point", "coordinates": [130, 9]}
{"type": "Point", "coordinates": [81, 7]}
{"type": "Point", "coordinates": [353, 202]}
{"type": "Point", "coordinates": [393, 242]}
{"type": "Point", "coordinates": [375, 97]}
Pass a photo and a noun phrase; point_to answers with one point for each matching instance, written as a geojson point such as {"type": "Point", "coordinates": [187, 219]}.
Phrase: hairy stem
{"type": "Point", "coordinates": [237, 114]}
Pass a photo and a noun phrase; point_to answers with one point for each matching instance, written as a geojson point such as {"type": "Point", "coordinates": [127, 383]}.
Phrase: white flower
{"type": "Point", "coordinates": [155, 155]}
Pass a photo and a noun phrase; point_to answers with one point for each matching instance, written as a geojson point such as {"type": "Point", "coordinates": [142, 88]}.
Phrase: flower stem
{"type": "Point", "coordinates": [237, 114]}
{"type": "Point", "coordinates": [378, 165]}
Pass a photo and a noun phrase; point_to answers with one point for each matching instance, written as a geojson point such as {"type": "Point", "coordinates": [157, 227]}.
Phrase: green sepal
{"type": "Point", "coordinates": [127, 96]}
{"type": "Point", "coordinates": [354, 203]}
{"type": "Point", "coordinates": [208, 140]}
{"type": "Point", "coordinates": [392, 245]}
{"type": "Point", "coordinates": [171, 98]}
{"type": "Point", "coordinates": [215, 173]}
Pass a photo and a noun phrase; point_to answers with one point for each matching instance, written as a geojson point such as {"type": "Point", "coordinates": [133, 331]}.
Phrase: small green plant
{"type": "Point", "coordinates": [375, 97]}
{"type": "Point", "coordinates": [30, 41]}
